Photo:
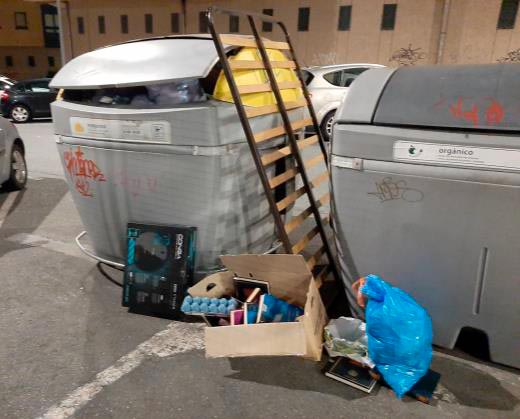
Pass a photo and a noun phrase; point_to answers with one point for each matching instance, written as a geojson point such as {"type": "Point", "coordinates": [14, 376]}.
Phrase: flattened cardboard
{"type": "Point", "coordinates": [289, 279]}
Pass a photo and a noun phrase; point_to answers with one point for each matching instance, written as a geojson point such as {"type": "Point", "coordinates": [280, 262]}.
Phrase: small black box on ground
{"type": "Point", "coordinates": [159, 268]}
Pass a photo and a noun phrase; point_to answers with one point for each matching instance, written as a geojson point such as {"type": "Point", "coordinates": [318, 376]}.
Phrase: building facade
{"type": "Point", "coordinates": [389, 32]}
{"type": "Point", "coordinates": [29, 39]}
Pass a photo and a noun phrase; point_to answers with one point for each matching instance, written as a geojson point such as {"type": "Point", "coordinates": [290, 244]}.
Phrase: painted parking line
{"type": "Point", "coordinates": [175, 339]}
{"type": "Point", "coordinates": [6, 206]}
{"type": "Point", "coordinates": [34, 240]}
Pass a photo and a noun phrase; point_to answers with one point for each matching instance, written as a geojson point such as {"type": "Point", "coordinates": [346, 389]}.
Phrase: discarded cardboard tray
{"type": "Point", "coordinates": [289, 279]}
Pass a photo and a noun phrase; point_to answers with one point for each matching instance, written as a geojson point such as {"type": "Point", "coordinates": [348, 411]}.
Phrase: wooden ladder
{"type": "Point", "coordinates": [310, 217]}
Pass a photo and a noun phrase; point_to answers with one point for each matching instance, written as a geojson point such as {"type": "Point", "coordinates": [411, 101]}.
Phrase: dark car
{"type": "Point", "coordinates": [27, 99]}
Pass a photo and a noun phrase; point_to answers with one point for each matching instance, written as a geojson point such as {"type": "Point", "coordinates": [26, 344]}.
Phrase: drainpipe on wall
{"type": "Point", "coordinates": [444, 29]}
{"type": "Point", "coordinates": [184, 20]}
{"type": "Point", "coordinates": [62, 43]}
{"type": "Point", "coordinates": [67, 7]}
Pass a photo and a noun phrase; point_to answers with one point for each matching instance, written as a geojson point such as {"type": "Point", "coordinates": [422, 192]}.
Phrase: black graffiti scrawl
{"type": "Point", "coordinates": [408, 56]}
{"type": "Point", "coordinates": [511, 57]}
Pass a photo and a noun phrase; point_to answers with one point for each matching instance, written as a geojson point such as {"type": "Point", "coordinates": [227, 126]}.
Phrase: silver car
{"type": "Point", "coordinates": [13, 169]}
{"type": "Point", "coordinates": [328, 85]}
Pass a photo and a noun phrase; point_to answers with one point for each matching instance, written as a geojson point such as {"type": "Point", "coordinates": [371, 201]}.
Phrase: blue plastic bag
{"type": "Point", "coordinates": [399, 334]}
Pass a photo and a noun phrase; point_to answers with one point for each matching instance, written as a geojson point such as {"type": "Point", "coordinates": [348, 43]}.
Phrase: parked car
{"type": "Point", "coordinates": [13, 168]}
{"type": "Point", "coordinates": [328, 85]}
{"type": "Point", "coordinates": [5, 83]}
{"type": "Point", "coordinates": [28, 99]}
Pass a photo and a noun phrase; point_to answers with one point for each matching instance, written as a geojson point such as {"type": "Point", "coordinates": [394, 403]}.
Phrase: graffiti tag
{"type": "Point", "coordinates": [408, 56]}
{"type": "Point", "coordinates": [490, 112]}
{"type": "Point", "coordinates": [511, 57]}
{"type": "Point", "coordinates": [390, 190]}
{"type": "Point", "coordinates": [82, 171]}
{"type": "Point", "coordinates": [136, 184]}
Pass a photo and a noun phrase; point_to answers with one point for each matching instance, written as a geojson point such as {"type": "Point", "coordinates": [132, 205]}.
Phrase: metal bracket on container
{"type": "Point", "coordinates": [347, 162]}
{"type": "Point", "coordinates": [91, 254]}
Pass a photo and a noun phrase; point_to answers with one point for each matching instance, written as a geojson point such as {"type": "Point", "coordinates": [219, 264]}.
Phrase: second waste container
{"type": "Point", "coordinates": [142, 138]}
{"type": "Point", "coordinates": [426, 184]}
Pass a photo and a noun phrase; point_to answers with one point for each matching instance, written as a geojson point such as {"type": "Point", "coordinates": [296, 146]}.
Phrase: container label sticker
{"type": "Point", "coordinates": [458, 155]}
{"type": "Point", "coordinates": [122, 130]}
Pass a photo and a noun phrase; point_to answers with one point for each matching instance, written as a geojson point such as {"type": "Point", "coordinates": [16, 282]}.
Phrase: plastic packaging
{"type": "Point", "coordinates": [275, 310]}
{"type": "Point", "coordinates": [347, 336]}
{"type": "Point", "coordinates": [399, 334]}
{"type": "Point", "coordinates": [176, 92]}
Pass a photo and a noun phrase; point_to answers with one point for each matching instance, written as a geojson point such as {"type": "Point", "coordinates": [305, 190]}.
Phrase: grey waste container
{"type": "Point", "coordinates": [426, 183]}
{"type": "Point", "coordinates": [141, 140]}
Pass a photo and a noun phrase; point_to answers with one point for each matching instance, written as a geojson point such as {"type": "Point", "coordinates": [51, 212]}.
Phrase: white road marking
{"type": "Point", "coordinates": [35, 240]}
{"type": "Point", "coordinates": [175, 339]}
{"type": "Point", "coordinates": [6, 206]}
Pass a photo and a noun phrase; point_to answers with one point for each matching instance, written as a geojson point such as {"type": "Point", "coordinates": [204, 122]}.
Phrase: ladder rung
{"type": "Point", "coordinates": [284, 177]}
{"type": "Point", "coordinates": [259, 65]}
{"type": "Point", "coordinates": [266, 87]}
{"type": "Point", "coordinates": [315, 258]}
{"type": "Point", "coordinates": [320, 178]}
{"type": "Point", "coordinates": [306, 142]}
{"type": "Point", "coordinates": [322, 274]}
{"type": "Point", "coordinates": [286, 151]}
{"type": "Point", "coordinates": [314, 161]}
{"type": "Point", "coordinates": [267, 109]}
{"type": "Point", "coordinates": [323, 199]}
{"type": "Point", "coordinates": [298, 220]}
{"type": "Point", "coordinates": [305, 240]}
{"type": "Point", "coordinates": [241, 41]}
{"type": "Point", "coordinates": [278, 131]}
{"type": "Point", "coordinates": [289, 199]}
{"type": "Point", "coordinates": [276, 155]}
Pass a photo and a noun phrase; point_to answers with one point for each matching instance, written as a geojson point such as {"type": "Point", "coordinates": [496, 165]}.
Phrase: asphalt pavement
{"type": "Point", "coordinates": [68, 348]}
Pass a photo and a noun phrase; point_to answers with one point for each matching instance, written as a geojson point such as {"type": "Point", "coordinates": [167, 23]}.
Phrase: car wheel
{"type": "Point", "coordinates": [326, 125]}
{"type": "Point", "coordinates": [20, 114]}
{"type": "Point", "coordinates": [18, 177]}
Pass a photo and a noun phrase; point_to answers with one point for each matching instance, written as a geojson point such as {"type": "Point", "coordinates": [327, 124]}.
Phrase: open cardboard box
{"type": "Point", "coordinates": [289, 279]}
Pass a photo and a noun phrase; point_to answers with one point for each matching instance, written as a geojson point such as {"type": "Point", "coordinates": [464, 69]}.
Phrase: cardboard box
{"type": "Point", "coordinates": [289, 279]}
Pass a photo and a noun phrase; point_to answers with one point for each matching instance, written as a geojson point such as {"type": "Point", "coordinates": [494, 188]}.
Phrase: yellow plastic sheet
{"type": "Point", "coordinates": [252, 77]}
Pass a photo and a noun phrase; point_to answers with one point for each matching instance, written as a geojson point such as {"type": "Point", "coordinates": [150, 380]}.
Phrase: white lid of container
{"type": "Point", "coordinates": [140, 62]}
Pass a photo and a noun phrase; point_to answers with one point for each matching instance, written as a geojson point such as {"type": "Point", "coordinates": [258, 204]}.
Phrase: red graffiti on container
{"type": "Point", "coordinates": [82, 171]}
{"type": "Point", "coordinates": [494, 112]}
{"type": "Point", "coordinates": [135, 184]}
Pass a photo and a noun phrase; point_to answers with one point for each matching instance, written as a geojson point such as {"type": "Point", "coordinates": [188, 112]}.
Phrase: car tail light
{"type": "Point", "coordinates": [4, 97]}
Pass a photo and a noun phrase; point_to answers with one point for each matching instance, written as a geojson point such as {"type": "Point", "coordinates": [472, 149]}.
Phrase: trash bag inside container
{"type": "Point", "coordinates": [156, 95]}
{"type": "Point", "coordinates": [399, 334]}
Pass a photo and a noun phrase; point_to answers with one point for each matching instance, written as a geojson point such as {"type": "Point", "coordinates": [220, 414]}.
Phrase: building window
{"type": "Point", "coordinates": [124, 23]}
{"type": "Point", "coordinates": [148, 23]}
{"type": "Point", "coordinates": [304, 14]}
{"type": "Point", "coordinates": [233, 24]}
{"type": "Point", "coordinates": [175, 23]}
{"type": "Point", "coordinates": [267, 26]}
{"type": "Point", "coordinates": [31, 61]}
{"type": "Point", "coordinates": [51, 26]}
{"type": "Point", "coordinates": [101, 24]}
{"type": "Point", "coordinates": [388, 19]}
{"type": "Point", "coordinates": [51, 61]}
{"type": "Point", "coordinates": [203, 23]}
{"type": "Point", "coordinates": [20, 20]}
{"type": "Point", "coordinates": [507, 17]}
{"type": "Point", "coordinates": [9, 61]}
{"type": "Point", "coordinates": [81, 25]}
{"type": "Point", "coordinates": [345, 14]}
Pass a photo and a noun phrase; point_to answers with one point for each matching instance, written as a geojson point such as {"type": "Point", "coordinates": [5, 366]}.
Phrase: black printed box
{"type": "Point", "coordinates": [159, 268]}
